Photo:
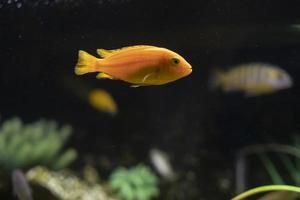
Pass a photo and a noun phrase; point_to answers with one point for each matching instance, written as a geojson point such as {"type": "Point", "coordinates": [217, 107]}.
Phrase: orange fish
{"type": "Point", "coordinates": [138, 65]}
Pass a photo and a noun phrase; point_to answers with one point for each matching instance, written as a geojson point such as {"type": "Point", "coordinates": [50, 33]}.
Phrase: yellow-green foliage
{"type": "Point", "coordinates": [39, 143]}
{"type": "Point", "coordinates": [66, 186]}
{"type": "Point", "coordinates": [269, 188]}
{"type": "Point", "coordinates": [136, 183]}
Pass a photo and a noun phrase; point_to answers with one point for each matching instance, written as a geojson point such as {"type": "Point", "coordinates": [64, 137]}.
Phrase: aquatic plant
{"type": "Point", "coordinates": [39, 143]}
{"type": "Point", "coordinates": [136, 183]}
{"type": "Point", "coordinates": [289, 156]}
{"type": "Point", "coordinates": [290, 160]}
{"type": "Point", "coordinates": [266, 188]}
{"type": "Point", "coordinates": [66, 186]}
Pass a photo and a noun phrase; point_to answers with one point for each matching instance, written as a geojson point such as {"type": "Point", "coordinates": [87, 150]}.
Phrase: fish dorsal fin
{"type": "Point", "coordinates": [105, 53]}
{"type": "Point", "coordinates": [104, 76]}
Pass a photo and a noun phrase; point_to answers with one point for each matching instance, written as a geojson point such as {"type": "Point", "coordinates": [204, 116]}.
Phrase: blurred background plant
{"type": "Point", "coordinates": [282, 164]}
{"type": "Point", "coordinates": [136, 183]}
{"type": "Point", "coordinates": [36, 148]}
{"type": "Point", "coordinates": [65, 185]}
{"type": "Point", "coordinates": [290, 162]}
{"type": "Point", "coordinates": [24, 146]}
{"type": "Point", "coordinates": [39, 143]}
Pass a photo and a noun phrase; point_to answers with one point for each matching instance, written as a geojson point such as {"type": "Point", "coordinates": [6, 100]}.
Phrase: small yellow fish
{"type": "Point", "coordinates": [138, 65]}
{"type": "Point", "coordinates": [252, 78]}
{"type": "Point", "coordinates": [102, 101]}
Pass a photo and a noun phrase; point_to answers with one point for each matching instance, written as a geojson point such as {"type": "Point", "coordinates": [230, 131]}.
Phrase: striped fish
{"type": "Point", "coordinates": [253, 79]}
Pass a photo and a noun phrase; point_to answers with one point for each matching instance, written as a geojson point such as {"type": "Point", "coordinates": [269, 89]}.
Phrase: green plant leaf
{"type": "Point", "coordinates": [271, 169]}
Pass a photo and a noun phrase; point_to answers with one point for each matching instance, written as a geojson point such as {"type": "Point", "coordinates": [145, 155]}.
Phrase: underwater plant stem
{"type": "Point", "coordinates": [271, 169]}
{"type": "Point", "coordinates": [240, 173]}
{"type": "Point", "coordinates": [290, 166]}
{"type": "Point", "coordinates": [267, 188]}
{"type": "Point", "coordinates": [297, 160]}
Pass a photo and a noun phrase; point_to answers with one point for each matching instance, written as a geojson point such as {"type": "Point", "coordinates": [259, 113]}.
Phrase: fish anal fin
{"type": "Point", "coordinates": [252, 93]}
{"type": "Point", "coordinates": [259, 91]}
{"type": "Point", "coordinates": [139, 85]}
{"type": "Point", "coordinates": [104, 76]}
{"type": "Point", "coordinates": [227, 88]}
{"type": "Point", "coordinates": [135, 86]}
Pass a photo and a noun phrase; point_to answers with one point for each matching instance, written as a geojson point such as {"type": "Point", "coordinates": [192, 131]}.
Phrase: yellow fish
{"type": "Point", "coordinates": [252, 78]}
{"type": "Point", "coordinates": [102, 101]}
{"type": "Point", "coordinates": [138, 65]}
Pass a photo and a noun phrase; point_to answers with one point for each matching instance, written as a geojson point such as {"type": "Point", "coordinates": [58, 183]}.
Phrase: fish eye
{"type": "Point", "coordinates": [175, 61]}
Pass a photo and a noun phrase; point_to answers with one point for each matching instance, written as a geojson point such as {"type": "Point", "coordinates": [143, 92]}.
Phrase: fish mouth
{"type": "Point", "coordinates": [288, 83]}
{"type": "Point", "coordinates": [187, 72]}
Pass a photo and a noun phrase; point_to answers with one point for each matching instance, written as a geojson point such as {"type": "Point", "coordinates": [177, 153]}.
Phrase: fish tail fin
{"type": "Point", "coordinates": [216, 79]}
{"type": "Point", "coordinates": [86, 63]}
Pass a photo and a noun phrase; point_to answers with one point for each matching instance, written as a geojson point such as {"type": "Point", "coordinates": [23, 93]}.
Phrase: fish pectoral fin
{"type": "Point", "coordinates": [104, 76]}
{"type": "Point", "coordinates": [147, 76]}
{"type": "Point", "coordinates": [144, 80]}
{"type": "Point", "coordinates": [104, 53]}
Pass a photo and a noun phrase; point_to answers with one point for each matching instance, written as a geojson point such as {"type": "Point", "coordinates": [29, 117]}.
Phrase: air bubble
{"type": "Point", "coordinates": [19, 5]}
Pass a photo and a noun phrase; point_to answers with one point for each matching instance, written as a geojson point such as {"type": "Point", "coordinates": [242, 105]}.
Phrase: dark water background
{"type": "Point", "coordinates": [200, 129]}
